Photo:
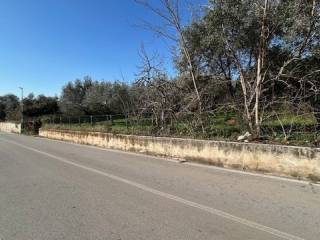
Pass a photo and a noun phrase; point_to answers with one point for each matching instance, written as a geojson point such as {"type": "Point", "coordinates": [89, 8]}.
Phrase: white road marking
{"type": "Point", "coordinates": [145, 188]}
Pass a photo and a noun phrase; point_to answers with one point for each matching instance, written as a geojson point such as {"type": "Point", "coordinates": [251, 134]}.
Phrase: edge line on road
{"type": "Point", "coordinates": [178, 161]}
{"type": "Point", "coordinates": [193, 164]}
{"type": "Point", "coordinates": [145, 188]}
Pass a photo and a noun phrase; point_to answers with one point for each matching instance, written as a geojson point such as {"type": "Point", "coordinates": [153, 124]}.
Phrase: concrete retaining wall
{"type": "Point", "coordinates": [301, 162]}
{"type": "Point", "coordinates": [10, 127]}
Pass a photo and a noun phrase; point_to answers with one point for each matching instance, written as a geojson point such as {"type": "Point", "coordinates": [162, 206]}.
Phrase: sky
{"type": "Point", "coordinates": [46, 43]}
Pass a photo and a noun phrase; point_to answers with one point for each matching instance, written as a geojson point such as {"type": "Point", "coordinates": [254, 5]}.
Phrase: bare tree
{"type": "Point", "coordinates": [172, 29]}
{"type": "Point", "coordinates": [159, 95]}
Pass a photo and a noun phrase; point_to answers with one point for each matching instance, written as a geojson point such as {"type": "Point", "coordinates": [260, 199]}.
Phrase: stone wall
{"type": "Point", "coordinates": [300, 162]}
{"type": "Point", "coordinates": [10, 127]}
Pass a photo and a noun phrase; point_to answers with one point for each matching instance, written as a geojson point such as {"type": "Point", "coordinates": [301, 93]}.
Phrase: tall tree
{"type": "Point", "coordinates": [259, 44]}
{"type": "Point", "coordinates": [40, 105]}
{"type": "Point", "coordinates": [10, 107]}
{"type": "Point", "coordinates": [172, 29]}
{"type": "Point", "coordinates": [73, 95]}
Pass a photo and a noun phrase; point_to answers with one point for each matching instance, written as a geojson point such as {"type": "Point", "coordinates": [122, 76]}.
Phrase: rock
{"type": "Point", "coordinates": [241, 138]}
{"type": "Point", "coordinates": [246, 136]}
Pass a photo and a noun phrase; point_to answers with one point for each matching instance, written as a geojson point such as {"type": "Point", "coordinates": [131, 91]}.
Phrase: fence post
{"type": "Point", "coordinates": [106, 121]}
{"type": "Point", "coordinates": [79, 121]}
{"type": "Point", "coordinates": [91, 120]}
{"type": "Point", "coordinates": [127, 116]}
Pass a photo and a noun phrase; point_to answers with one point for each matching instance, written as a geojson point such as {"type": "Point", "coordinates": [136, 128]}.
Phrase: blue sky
{"type": "Point", "coordinates": [46, 43]}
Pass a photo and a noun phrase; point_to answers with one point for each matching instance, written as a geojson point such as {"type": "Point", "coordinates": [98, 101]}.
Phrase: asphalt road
{"type": "Point", "coordinates": [56, 190]}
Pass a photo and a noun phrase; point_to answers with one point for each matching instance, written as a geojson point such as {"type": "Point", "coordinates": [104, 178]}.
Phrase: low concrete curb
{"type": "Point", "coordinates": [299, 162]}
{"type": "Point", "coordinates": [10, 127]}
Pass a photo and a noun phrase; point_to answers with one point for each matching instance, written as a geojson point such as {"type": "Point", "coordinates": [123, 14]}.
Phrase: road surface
{"type": "Point", "coordinates": [56, 190]}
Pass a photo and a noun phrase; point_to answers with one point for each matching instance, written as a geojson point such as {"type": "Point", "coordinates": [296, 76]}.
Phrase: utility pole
{"type": "Point", "coordinates": [21, 88]}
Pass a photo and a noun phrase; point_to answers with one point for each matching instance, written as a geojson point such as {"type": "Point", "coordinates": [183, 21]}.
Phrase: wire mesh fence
{"type": "Point", "coordinates": [147, 123]}
{"type": "Point", "coordinates": [69, 120]}
{"type": "Point", "coordinates": [297, 130]}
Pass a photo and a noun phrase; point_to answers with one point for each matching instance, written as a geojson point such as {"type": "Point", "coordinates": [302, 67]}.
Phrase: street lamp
{"type": "Point", "coordinates": [21, 88]}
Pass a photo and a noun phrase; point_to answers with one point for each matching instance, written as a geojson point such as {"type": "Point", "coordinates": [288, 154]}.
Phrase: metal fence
{"type": "Point", "coordinates": [207, 126]}
{"type": "Point", "coordinates": [182, 124]}
{"type": "Point", "coordinates": [90, 119]}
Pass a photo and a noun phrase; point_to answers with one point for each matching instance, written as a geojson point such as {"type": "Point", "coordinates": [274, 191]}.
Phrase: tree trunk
{"type": "Point", "coordinates": [260, 66]}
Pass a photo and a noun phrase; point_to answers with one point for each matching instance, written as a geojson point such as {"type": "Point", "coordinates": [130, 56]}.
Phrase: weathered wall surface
{"type": "Point", "coordinates": [10, 127]}
{"type": "Point", "coordinates": [300, 162]}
